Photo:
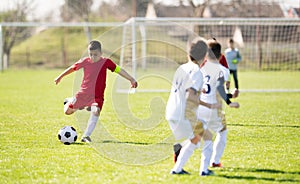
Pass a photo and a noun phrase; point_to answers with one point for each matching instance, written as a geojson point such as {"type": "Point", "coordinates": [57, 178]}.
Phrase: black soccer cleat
{"type": "Point", "coordinates": [177, 148]}
{"type": "Point", "coordinates": [66, 101]}
{"type": "Point", "coordinates": [86, 139]}
{"type": "Point", "coordinates": [208, 173]}
{"type": "Point", "coordinates": [182, 172]}
{"type": "Point", "coordinates": [89, 108]}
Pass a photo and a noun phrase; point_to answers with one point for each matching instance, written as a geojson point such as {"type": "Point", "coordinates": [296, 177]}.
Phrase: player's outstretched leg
{"type": "Point", "coordinates": [219, 147]}
{"type": "Point", "coordinates": [68, 107]}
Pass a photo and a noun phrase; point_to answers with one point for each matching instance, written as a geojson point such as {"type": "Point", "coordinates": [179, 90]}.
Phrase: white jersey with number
{"type": "Point", "coordinates": [212, 72]}
{"type": "Point", "coordinates": [186, 76]}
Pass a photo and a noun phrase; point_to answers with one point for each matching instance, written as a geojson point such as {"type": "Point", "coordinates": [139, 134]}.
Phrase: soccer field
{"type": "Point", "coordinates": [263, 140]}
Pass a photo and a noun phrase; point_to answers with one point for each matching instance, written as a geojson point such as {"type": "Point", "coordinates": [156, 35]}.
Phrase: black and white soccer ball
{"type": "Point", "coordinates": [67, 135]}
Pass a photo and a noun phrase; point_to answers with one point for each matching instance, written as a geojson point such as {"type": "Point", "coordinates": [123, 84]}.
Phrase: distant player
{"type": "Point", "coordinates": [183, 102]}
{"type": "Point", "coordinates": [213, 75]}
{"type": "Point", "coordinates": [91, 93]}
{"type": "Point", "coordinates": [233, 57]}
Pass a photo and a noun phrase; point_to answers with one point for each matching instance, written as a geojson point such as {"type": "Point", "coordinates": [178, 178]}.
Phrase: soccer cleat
{"type": "Point", "coordinates": [177, 148]}
{"type": "Point", "coordinates": [72, 100]}
{"type": "Point", "coordinates": [217, 165]}
{"type": "Point", "coordinates": [69, 102]}
{"type": "Point", "coordinates": [180, 172]}
{"type": "Point", "coordinates": [208, 173]}
{"type": "Point", "coordinates": [185, 172]}
{"type": "Point", "coordinates": [66, 104]}
{"type": "Point", "coordinates": [86, 139]}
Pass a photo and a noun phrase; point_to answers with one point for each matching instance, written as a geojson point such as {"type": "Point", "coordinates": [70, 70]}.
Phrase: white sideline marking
{"type": "Point", "coordinates": [242, 91]}
{"type": "Point", "coordinates": [270, 90]}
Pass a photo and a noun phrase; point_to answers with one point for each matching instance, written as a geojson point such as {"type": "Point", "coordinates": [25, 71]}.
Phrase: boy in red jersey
{"type": "Point", "coordinates": [91, 93]}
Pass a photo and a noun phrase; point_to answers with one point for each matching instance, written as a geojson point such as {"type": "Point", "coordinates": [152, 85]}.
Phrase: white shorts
{"type": "Point", "coordinates": [213, 118]}
{"type": "Point", "coordinates": [181, 129]}
{"type": "Point", "coordinates": [184, 129]}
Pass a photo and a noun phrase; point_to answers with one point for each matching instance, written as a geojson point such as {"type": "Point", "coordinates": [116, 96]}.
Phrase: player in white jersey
{"type": "Point", "coordinates": [214, 76]}
{"type": "Point", "coordinates": [183, 102]}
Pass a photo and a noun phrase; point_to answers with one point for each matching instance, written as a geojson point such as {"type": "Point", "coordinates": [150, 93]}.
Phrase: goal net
{"type": "Point", "coordinates": [153, 48]}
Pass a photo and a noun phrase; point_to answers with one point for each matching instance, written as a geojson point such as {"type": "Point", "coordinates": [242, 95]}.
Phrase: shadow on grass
{"type": "Point", "coordinates": [119, 142]}
{"type": "Point", "coordinates": [78, 143]}
{"type": "Point", "coordinates": [129, 142]}
{"type": "Point", "coordinates": [254, 170]}
{"type": "Point", "coordinates": [261, 125]}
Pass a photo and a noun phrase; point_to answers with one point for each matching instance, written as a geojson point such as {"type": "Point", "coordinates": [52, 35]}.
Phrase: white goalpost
{"type": "Point", "coordinates": [153, 48]}
{"type": "Point", "coordinates": [1, 49]}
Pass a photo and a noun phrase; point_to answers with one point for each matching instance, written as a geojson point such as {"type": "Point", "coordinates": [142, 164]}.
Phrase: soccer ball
{"type": "Point", "coordinates": [67, 135]}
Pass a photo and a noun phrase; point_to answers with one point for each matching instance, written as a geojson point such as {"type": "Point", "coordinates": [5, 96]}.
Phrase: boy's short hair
{"type": "Point", "coordinates": [231, 40]}
{"type": "Point", "coordinates": [198, 50]}
{"type": "Point", "coordinates": [214, 49]}
{"type": "Point", "coordinates": [95, 45]}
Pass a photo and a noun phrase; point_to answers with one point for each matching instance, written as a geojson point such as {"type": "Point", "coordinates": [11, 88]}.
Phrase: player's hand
{"type": "Point", "coordinates": [234, 105]}
{"type": "Point", "coordinates": [134, 84]}
{"type": "Point", "coordinates": [57, 80]}
{"type": "Point", "coordinates": [235, 93]}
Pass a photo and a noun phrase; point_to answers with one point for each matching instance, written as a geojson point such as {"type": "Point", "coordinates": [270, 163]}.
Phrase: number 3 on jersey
{"type": "Point", "coordinates": [206, 85]}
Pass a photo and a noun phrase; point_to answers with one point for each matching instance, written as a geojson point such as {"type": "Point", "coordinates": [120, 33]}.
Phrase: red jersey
{"type": "Point", "coordinates": [223, 61]}
{"type": "Point", "coordinates": [94, 81]}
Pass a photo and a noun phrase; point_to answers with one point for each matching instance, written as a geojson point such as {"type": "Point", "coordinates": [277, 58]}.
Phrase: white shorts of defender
{"type": "Point", "coordinates": [181, 129]}
{"type": "Point", "coordinates": [211, 117]}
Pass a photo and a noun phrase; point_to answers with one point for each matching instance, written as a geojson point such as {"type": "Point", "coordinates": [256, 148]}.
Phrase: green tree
{"type": "Point", "coordinates": [78, 10]}
{"type": "Point", "coordinates": [123, 9]}
{"type": "Point", "coordinates": [13, 35]}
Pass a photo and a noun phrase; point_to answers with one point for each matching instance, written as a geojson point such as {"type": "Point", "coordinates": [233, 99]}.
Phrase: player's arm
{"type": "Point", "coordinates": [221, 90]}
{"type": "Point", "coordinates": [63, 74]}
{"type": "Point", "coordinates": [227, 84]}
{"type": "Point", "coordinates": [192, 95]}
{"type": "Point", "coordinates": [238, 56]}
{"type": "Point", "coordinates": [233, 94]}
{"type": "Point", "coordinates": [229, 95]}
{"type": "Point", "coordinates": [125, 75]}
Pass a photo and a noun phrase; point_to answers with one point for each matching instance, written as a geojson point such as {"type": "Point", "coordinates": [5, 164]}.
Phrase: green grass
{"type": "Point", "coordinates": [263, 140]}
{"type": "Point", "coordinates": [46, 47]}
{"type": "Point", "coordinates": [268, 80]}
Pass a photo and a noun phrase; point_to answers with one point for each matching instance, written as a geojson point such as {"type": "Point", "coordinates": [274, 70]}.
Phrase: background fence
{"type": "Point", "coordinates": [265, 44]}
